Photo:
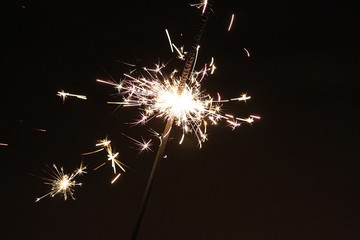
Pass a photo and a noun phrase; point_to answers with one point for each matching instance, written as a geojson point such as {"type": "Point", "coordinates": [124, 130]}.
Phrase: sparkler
{"type": "Point", "coordinates": [177, 109]}
{"type": "Point", "coordinates": [173, 98]}
{"type": "Point", "coordinates": [62, 183]}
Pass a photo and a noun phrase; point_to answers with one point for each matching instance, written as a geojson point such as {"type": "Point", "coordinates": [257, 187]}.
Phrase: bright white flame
{"type": "Point", "coordinates": [168, 97]}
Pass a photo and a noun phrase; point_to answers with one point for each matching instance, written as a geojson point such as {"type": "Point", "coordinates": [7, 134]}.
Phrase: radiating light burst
{"type": "Point", "coordinates": [62, 183]}
{"type": "Point", "coordinates": [160, 96]}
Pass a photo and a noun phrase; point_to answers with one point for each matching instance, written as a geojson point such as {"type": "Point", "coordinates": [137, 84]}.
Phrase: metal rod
{"type": "Point", "coordinates": [156, 165]}
{"type": "Point", "coordinates": [159, 155]}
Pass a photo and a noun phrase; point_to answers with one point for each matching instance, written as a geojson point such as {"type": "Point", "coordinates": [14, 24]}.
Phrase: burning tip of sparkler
{"type": "Point", "coordinates": [165, 97]}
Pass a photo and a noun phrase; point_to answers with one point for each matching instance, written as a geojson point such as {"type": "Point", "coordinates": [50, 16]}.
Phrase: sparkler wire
{"type": "Point", "coordinates": [156, 165]}
{"type": "Point", "coordinates": [160, 153]}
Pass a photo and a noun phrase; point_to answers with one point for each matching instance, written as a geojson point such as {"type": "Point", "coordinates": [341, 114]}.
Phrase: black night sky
{"type": "Point", "coordinates": [292, 175]}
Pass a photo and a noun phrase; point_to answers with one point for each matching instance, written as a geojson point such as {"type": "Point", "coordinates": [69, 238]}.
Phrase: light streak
{"type": "Point", "coordinates": [254, 116]}
{"type": "Point", "coordinates": [243, 97]}
{"type": "Point", "coordinates": [195, 60]}
{"type": "Point", "coordinates": [231, 22]}
{"type": "Point", "coordinates": [115, 178]}
{"type": "Point", "coordinates": [62, 183]}
{"type": "Point", "coordinates": [40, 129]}
{"type": "Point", "coordinates": [247, 52]}
{"type": "Point", "coordinates": [104, 143]}
{"type": "Point", "coordinates": [180, 52]}
{"type": "Point", "coordinates": [99, 166]}
{"type": "Point", "coordinates": [171, 45]}
{"type": "Point", "coordinates": [108, 82]}
{"type": "Point", "coordinates": [212, 65]}
{"type": "Point", "coordinates": [64, 95]}
{"type": "Point", "coordinates": [112, 157]}
{"type": "Point", "coordinates": [4, 144]}
{"type": "Point", "coordinates": [212, 61]}
{"type": "Point", "coordinates": [92, 152]}
{"type": "Point", "coordinates": [203, 4]}
{"type": "Point", "coordinates": [141, 146]}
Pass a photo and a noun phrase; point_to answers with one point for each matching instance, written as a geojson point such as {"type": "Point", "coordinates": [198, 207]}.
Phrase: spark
{"type": "Point", "coordinates": [62, 183]}
{"type": "Point", "coordinates": [212, 65]}
{"type": "Point", "coordinates": [195, 60]}
{"type": "Point", "coordinates": [92, 152]}
{"type": "Point", "coordinates": [247, 52]}
{"type": "Point", "coordinates": [142, 145]}
{"type": "Point", "coordinates": [212, 61]}
{"type": "Point", "coordinates": [4, 144]}
{"type": "Point", "coordinates": [64, 95]}
{"type": "Point", "coordinates": [99, 166]}
{"type": "Point", "coordinates": [104, 143]}
{"type": "Point", "coordinates": [115, 178]}
{"type": "Point", "coordinates": [108, 82]}
{"type": "Point", "coordinates": [254, 116]}
{"type": "Point", "coordinates": [203, 4]}
{"type": "Point", "coordinates": [231, 22]}
{"type": "Point", "coordinates": [112, 156]}
{"type": "Point", "coordinates": [180, 52]}
{"type": "Point", "coordinates": [171, 45]}
{"type": "Point", "coordinates": [243, 97]}
{"type": "Point", "coordinates": [40, 129]}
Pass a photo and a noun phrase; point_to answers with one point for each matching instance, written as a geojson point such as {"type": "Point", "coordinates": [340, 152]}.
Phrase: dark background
{"type": "Point", "coordinates": [292, 175]}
